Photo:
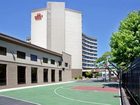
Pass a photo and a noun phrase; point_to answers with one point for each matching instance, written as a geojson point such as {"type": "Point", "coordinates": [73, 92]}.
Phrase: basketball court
{"type": "Point", "coordinates": [74, 93]}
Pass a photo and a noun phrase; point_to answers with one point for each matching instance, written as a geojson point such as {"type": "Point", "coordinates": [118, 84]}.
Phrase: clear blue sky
{"type": "Point", "coordinates": [100, 17]}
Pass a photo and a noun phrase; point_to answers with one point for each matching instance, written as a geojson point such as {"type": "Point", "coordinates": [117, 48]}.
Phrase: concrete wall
{"type": "Point", "coordinates": [13, 62]}
{"type": "Point", "coordinates": [66, 70]}
{"type": "Point", "coordinates": [73, 37]}
{"type": "Point", "coordinates": [11, 72]}
{"type": "Point", "coordinates": [64, 31]}
{"type": "Point", "coordinates": [13, 48]}
{"type": "Point", "coordinates": [76, 73]}
{"type": "Point", "coordinates": [39, 28]}
{"type": "Point", "coordinates": [56, 26]}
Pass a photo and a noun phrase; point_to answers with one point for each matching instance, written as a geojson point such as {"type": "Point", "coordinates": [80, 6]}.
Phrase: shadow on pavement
{"type": "Point", "coordinates": [91, 80]}
{"type": "Point", "coordinates": [105, 84]}
{"type": "Point", "coordinates": [112, 84]}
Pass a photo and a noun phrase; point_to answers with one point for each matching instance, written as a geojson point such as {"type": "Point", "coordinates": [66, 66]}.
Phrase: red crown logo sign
{"type": "Point", "coordinates": [38, 16]}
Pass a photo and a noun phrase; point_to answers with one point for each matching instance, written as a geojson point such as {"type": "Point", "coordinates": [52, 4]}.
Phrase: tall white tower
{"type": "Point", "coordinates": [58, 29]}
{"type": "Point", "coordinates": [56, 26]}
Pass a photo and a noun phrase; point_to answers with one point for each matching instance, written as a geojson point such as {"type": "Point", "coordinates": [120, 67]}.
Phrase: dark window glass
{"type": "Point", "coordinates": [3, 50]}
{"type": "Point", "coordinates": [52, 61]}
{"type": "Point", "coordinates": [59, 63]}
{"type": "Point", "coordinates": [53, 75]}
{"type": "Point", "coordinates": [33, 57]}
{"type": "Point", "coordinates": [34, 75]}
{"type": "Point", "coordinates": [21, 54]}
{"type": "Point", "coordinates": [2, 74]}
{"type": "Point", "coordinates": [45, 60]}
{"type": "Point", "coordinates": [45, 75]}
{"type": "Point", "coordinates": [21, 75]}
{"type": "Point", "coordinates": [60, 75]}
{"type": "Point", "coordinates": [66, 64]}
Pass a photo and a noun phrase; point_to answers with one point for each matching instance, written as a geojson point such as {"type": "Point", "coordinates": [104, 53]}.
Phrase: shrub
{"type": "Point", "coordinates": [88, 74]}
{"type": "Point", "coordinates": [96, 75]}
{"type": "Point", "coordinates": [80, 77]}
{"type": "Point", "coordinates": [75, 78]}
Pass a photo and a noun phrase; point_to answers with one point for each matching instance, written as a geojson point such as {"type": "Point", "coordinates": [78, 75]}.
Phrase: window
{"type": "Point", "coordinates": [21, 54]}
{"type": "Point", "coordinates": [3, 50]}
{"type": "Point", "coordinates": [45, 75]}
{"type": "Point", "coordinates": [21, 74]}
{"type": "Point", "coordinates": [66, 64]}
{"type": "Point", "coordinates": [53, 75]}
{"type": "Point", "coordinates": [2, 74]}
{"type": "Point", "coordinates": [33, 57]}
{"type": "Point", "coordinates": [59, 63]}
{"type": "Point", "coordinates": [52, 61]}
{"type": "Point", "coordinates": [34, 75]}
{"type": "Point", "coordinates": [45, 60]}
{"type": "Point", "coordinates": [60, 75]}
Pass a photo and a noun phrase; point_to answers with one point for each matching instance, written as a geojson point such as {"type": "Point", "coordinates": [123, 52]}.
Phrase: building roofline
{"type": "Point", "coordinates": [55, 2]}
{"type": "Point", "coordinates": [26, 44]}
{"type": "Point", "coordinates": [73, 10]}
{"type": "Point", "coordinates": [89, 37]}
{"type": "Point", "coordinates": [39, 9]}
{"type": "Point", "coordinates": [67, 9]}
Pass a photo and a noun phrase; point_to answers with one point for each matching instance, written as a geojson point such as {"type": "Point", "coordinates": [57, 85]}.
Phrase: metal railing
{"type": "Point", "coordinates": [131, 81]}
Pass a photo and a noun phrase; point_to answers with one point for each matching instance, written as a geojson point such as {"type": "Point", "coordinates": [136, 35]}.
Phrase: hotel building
{"type": "Point", "coordinates": [89, 52]}
{"type": "Point", "coordinates": [25, 64]}
{"type": "Point", "coordinates": [59, 29]}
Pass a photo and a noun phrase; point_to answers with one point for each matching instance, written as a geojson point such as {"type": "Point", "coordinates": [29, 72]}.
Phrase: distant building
{"type": "Point", "coordinates": [59, 29]}
{"type": "Point", "coordinates": [25, 64]}
{"type": "Point", "coordinates": [89, 52]}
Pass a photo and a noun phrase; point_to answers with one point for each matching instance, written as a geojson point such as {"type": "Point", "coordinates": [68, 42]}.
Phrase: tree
{"type": "Point", "coordinates": [103, 62]}
{"type": "Point", "coordinates": [89, 74]}
{"type": "Point", "coordinates": [125, 43]}
{"type": "Point", "coordinates": [104, 58]}
{"type": "Point", "coordinates": [97, 74]}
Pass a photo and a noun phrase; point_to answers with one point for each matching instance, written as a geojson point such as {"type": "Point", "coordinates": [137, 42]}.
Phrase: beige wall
{"type": "Point", "coordinates": [39, 28]}
{"type": "Point", "coordinates": [67, 74]}
{"type": "Point", "coordinates": [73, 37]}
{"type": "Point", "coordinates": [64, 31]}
{"type": "Point", "coordinates": [56, 26]}
{"type": "Point", "coordinates": [76, 73]}
{"type": "Point", "coordinates": [11, 71]}
{"type": "Point", "coordinates": [13, 48]}
{"type": "Point", "coordinates": [11, 68]}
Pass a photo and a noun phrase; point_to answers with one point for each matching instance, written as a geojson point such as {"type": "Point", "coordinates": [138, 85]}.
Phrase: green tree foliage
{"type": "Point", "coordinates": [125, 43]}
{"type": "Point", "coordinates": [96, 75]}
{"type": "Point", "coordinates": [89, 74]}
{"type": "Point", "coordinates": [104, 58]}
{"type": "Point", "coordinates": [103, 62]}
